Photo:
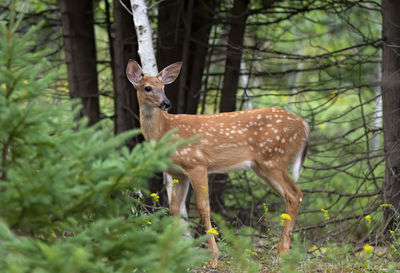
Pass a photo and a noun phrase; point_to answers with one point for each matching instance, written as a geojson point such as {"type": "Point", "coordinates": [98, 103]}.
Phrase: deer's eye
{"type": "Point", "coordinates": [148, 88]}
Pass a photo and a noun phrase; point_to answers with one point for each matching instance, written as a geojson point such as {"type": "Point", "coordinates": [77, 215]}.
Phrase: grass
{"type": "Point", "coordinates": [331, 257]}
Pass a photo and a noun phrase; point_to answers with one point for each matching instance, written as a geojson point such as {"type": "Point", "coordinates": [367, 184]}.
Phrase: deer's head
{"type": "Point", "coordinates": [150, 89]}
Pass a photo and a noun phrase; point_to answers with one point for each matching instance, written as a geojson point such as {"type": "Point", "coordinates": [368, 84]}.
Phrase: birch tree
{"type": "Point", "coordinates": [144, 36]}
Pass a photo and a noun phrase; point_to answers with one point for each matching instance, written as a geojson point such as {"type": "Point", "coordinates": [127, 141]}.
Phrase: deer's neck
{"type": "Point", "coordinates": [152, 122]}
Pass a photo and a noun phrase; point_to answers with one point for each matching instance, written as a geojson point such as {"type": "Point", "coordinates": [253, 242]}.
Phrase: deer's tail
{"type": "Point", "coordinates": [298, 162]}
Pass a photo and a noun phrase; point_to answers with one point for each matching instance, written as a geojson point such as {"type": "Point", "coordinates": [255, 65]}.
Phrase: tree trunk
{"type": "Point", "coordinates": [125, 48]}
{"type": "Point", "coordinates": [203, 19]}
{"type": "Point", "coordinates": [80, 52]}
{"type": "Point", "coordinates": [184, 37]}
{"type": "Point", "coordinates": [234, 55]}
{"type": "Point", "coordinates": [169, 43]}
{"type": "Point", "coordinates": [391, 109]}
{"type": "Point", "coordinates": [144, 37]}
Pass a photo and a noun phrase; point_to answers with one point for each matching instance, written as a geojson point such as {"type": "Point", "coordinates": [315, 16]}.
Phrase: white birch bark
{"type": "Point", "coordinates": [377, 118]}
{"type": "Point", "coordinates": [377, 112]}
{"type": "Point", "coordinates": [295, 80]}
{"type": "Point", "coordinates": [245, 83]}
{"type": "Point", "coordinates": [144, 37]}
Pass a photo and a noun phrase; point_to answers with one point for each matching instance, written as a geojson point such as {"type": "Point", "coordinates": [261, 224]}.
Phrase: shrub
{"type": "Point", "coordinates": [65, 202]}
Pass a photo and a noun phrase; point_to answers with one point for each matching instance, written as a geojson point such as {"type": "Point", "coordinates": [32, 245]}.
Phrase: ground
{"type": "Point", "coordinates": [380, 259]}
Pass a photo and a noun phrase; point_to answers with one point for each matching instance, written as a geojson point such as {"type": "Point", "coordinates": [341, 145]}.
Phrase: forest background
{"type": "Point", "coordinates": [74, 198]}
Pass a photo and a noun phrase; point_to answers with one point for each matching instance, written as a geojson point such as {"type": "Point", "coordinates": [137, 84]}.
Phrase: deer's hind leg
{"type": "Point", "coordinates": [282, 184]}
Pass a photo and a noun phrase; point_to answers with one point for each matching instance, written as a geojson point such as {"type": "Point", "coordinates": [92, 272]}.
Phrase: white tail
{"type": "Point", "coordinates": [266, 140]}
{"type": "Point", "coordinates": [298, 162]}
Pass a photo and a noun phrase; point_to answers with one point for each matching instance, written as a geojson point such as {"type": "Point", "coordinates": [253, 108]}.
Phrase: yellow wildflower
{"type": "Point", "coordinates": [367, 248]}
{"type": "Point", "coordinates": [4, 86]}
{"type": "Point", "coordinates": [149, 222]}
{"type": "Point", "coordinates": [175, 181]}
{"type": "Point", "coordinates": [285, 216]}
{"type": "Point", "coordinates": [155, 196]}
{"type": "Point", "coordinates": [265, 208]}
{"type": "Point", "coordinates": [203, 188]}
{"type": "Point", "coordinates": [251, 252]}
{"type": "Point", "coordinates": [368, 218]}
{"type": "Point", "coordinates": [391, 231]}
{"type": "Point", "coordinates": [212, 231]}
{"type": "Point", "coordinates": [326, 216]}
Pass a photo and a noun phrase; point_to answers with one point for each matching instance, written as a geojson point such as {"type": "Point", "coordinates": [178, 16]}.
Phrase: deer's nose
{"type": "Point", "coordinates": [166, 104]}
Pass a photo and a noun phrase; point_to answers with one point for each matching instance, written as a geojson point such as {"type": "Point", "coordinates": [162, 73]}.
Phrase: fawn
{"type": "Point", "coordinates": [264, 140]}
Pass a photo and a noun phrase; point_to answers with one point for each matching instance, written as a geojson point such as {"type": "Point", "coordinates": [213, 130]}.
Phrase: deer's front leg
{"type": "Point", "coordinates": [198, 178]}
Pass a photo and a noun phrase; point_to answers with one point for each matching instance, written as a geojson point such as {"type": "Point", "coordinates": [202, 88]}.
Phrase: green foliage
{"type": "Point", "coordinates": [65, 202]}
{"type": "Point", "coordinates": [238, 247]}
{"type": "Point", "coordinates": [292, 261]}
{"type": "Point", "coordinates": [395, 247]}
{"type": "Point", "coordinates": [106, 245]}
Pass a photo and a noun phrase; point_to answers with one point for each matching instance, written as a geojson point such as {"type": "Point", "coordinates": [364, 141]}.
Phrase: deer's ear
{"type": "Point", "coordinates": [134, 72]}
{"type": "Point", "coordinates": [170, 73]}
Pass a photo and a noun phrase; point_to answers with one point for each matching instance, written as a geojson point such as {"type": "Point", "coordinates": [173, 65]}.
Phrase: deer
{"type": "Point", "coordinates": [265, 140]}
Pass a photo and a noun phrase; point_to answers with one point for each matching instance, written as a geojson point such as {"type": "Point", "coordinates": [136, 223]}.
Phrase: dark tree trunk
{"type": "Point", "coordinates": [107, 13]}
{"type": "Point", "coordinates": [234, 55]}
{"type": "Point", "coordinates": [169, 43]}
{"type": "Point", "coordinates": [391, 108]}
{"type": "Point", "coordinates": [237, 29]}
{"type": "Point", "coordinates": [80, 52]}
{"type": "Point", "coordinates": [202, 22]}
{"type": "Point", "coordinates": [125, 48]}
{"type": "Point", "coordinates": [184, 37]}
